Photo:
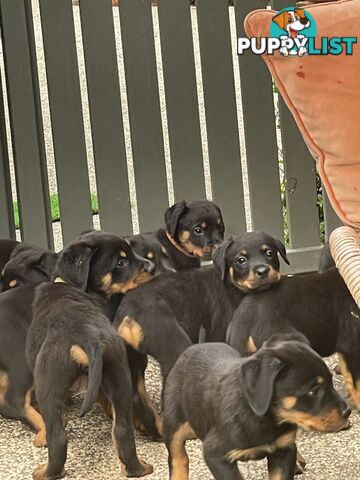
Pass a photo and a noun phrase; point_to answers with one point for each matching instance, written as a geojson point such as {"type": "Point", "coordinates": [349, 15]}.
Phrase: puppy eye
{"type": "Point", "coordinates": [198, 231]}
{"type": "Point", "coordinates": [269, 253]}
{"type": "Point", "coordinates": [241, 260]}
{"type": "Point", "coordinates": [313, 392]}
{"type": "Point", "coordinates": [122, 262]}
{"type": "Point", "coordinates": [290, 20]}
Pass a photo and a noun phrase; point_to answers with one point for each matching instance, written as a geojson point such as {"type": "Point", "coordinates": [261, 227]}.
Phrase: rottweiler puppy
{"type": "Point", "coordinates": [16, 380]}
{"type": "Point", "coordinates": [249, 408]}
{"type": "Point", "coordinates": [192, 231]}
{"type": "Point", "coordinates": [320, 306]}
{"type": "Point", "coordinates": [70, 334]}
{"type": "Point", "coordinates": [27, 267]}
{"type": "Point", "coordinates": [164, 317]}
{"type": "Point", "coordinates": [27, 264]}
{"type": "Point", "coordinates": [148, 246]}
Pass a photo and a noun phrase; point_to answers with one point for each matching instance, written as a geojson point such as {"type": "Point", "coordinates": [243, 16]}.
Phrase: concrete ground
{"type": "Point", "coordinates": [91, 455]}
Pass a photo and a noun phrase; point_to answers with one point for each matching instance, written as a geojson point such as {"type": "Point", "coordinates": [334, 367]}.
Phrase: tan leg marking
{"type": "Point", "coordinates": [276, 475]}
{"type": "Point", "coordinates": [145, 396]}
{"type": "Point", "coordinates": [40, 473]}
{"type": "Point", "coordinates": [284, 441]}
{"type": "Point", "coordinates": [250, 345]}
{"type": "Point", "coordinates": [147, 469]}
{"type": "Point", "coordinates": [4, 385]}
{"type": "Point", "coordinates": [35, 420]}
{"type": "Point", "coordinates": [179, 457]}
{"type": "Point", "coordinates": [352, 389]}
{"type": "Point", "coordinates": [131, 332]}
{"type": "Point", "coordinates": [79, 355]}
{"type": "Point", "coordinates": [300, 459]}
{"type": "Point", "coordinates": [105, 403]}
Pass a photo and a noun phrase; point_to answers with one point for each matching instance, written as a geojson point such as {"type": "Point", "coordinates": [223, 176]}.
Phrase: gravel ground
{"type": "Point", "coordinates": [91, 455]}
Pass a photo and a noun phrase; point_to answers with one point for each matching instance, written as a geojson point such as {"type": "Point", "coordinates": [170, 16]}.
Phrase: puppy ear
{"type": "Point", "coordinates": [172, 216]}
{"type": "Point", "coordinates": [218, 258]}
{"type": "Point", "coordinates": [74, 264]}
{"type": "Point", "coordinates": [257, 377]}
{"type": "Point", "coordinates": [282, 250]}
{"type": "Point", "coordinates": [300, 12]}
{"type": "Point", "coordinates": [46, 263]}
{"type": "Point", "coordinates": [280, 20]}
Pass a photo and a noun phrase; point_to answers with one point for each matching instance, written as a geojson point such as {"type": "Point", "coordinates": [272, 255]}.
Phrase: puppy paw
{"type": "Point", "coordinates": [145, 469]}
{"type": "Point", "coordinates": [300, 464]}
{"type": "Point", "coordinates": [40, 473]}
{"type": "Point", "coordinates": [40, 439]}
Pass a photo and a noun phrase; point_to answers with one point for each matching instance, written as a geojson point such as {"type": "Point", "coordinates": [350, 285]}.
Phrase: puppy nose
{"type": "Point", "coordinates": [346, 412]}
{"type": "Point", "coordinates": [262, 271]}
{"type": "Point", "coordinates": [303, 21]}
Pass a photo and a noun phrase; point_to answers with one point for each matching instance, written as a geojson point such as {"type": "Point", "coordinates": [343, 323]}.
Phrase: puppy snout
{"type": "Point", "coordinates": [262, 271]}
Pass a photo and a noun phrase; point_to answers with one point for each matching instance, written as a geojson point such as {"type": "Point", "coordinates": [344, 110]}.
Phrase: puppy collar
{"type": "Point", "coordinates": [178, 247]}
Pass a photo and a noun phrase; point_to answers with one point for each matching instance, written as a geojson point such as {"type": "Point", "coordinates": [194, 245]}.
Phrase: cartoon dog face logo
{"type": "Point", "coordinates": [293, 22]}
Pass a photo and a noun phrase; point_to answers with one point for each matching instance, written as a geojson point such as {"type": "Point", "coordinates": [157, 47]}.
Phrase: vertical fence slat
{"type": "Point", "coordinates": [331, 220]}
{"type": "Point", "coordinates": [66, 116]}
{"type": "Point", "coordinates": [260, 133]}
{"type": "Point", "coordinates": [221, 114]}
{"type": "Point", "coordinates": [106, 115]}
{"type": "Point", "coordinates": [144, 111]}
{"type": "Point", "coordinates": [26, 123]}
{"type": "Point", "coordinates": [7, 226]}
{"type": "Point", "coordinates": [181, 99]}
{"type": "Point", "coordinates": [303, 216]}
{"type": "Point", "coordinates": [300, 170]}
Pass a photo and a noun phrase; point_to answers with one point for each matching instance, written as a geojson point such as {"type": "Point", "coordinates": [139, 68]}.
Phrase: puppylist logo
{"type": "Point", "coordinates": [292, 33]}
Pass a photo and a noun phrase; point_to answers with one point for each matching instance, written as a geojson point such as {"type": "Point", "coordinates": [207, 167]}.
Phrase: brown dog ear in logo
{"type": "Point", "coordinates": [300, 13]}
{"type": "Point", "coordinates": [281, 19]}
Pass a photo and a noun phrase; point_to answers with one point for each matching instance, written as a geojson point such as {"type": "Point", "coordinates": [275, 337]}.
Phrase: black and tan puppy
{"type": "Point", "coordinates": [16, 380]}
{"type": "Point", "coordinates": [192, 231]}
{"type": "Point", "coordinates": [248, 409]}
{"type": "Point", "coordinates": [319, 306]}
{"type": "Point", "coordinates": [148, 246]}
{"type": "Point", "coordinates": [70, 335]}
{"type": "Point", "coordinates": [164, 317]}
{"type": "Point", "coordinates": [27, 264]}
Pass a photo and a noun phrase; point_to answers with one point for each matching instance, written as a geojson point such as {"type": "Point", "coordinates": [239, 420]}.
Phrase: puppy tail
{"type": "Point", "coordinates": [95, 377]}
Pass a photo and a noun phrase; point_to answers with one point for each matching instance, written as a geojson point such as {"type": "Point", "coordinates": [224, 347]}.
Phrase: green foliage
{"type": "Point", "coordinates": [319, 204]}
{"type": "Point", "coordinates": [55, 208]}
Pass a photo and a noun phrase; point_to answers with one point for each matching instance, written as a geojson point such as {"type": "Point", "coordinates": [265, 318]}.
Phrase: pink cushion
{"type": "Point", "coordinates": [323, 94]}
